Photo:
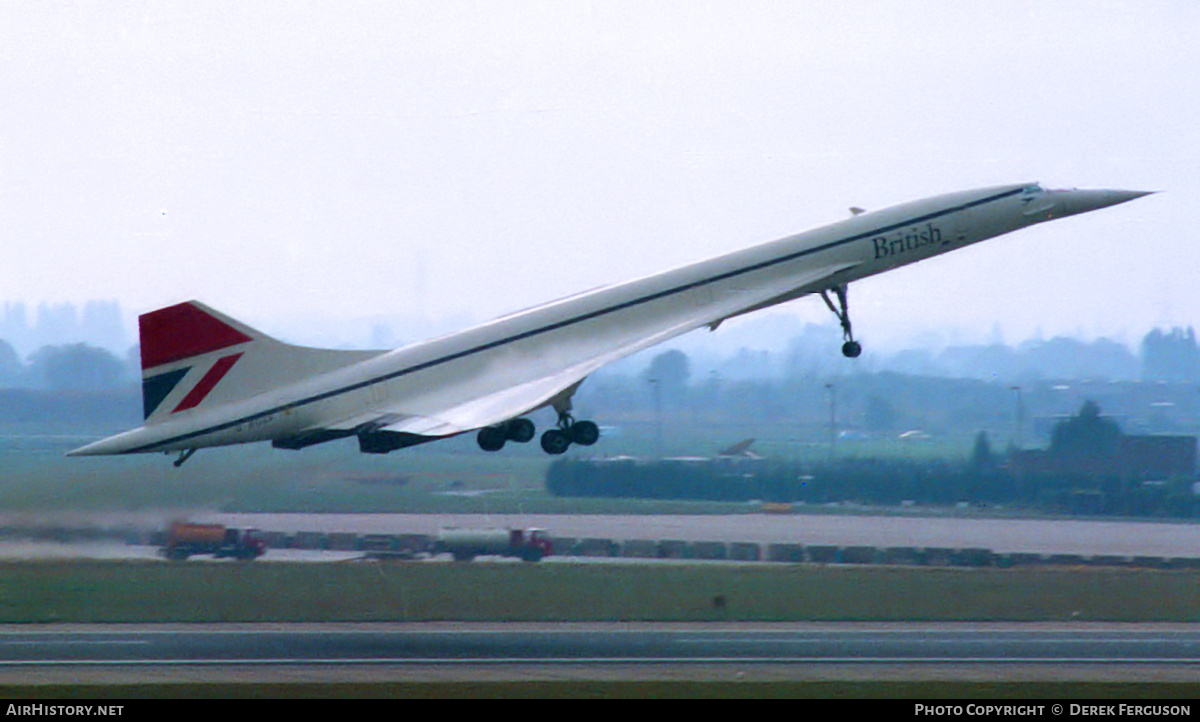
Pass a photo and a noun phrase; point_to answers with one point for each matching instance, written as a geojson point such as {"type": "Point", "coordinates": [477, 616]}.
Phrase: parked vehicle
{"type": "Point", "coordinates": [185, 539]}
{"type": "Point", "coordinates": [465, 544]}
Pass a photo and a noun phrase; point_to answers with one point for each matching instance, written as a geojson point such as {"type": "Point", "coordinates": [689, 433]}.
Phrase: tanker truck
{"type": "Point", "coordinates": [185, 539]}
{"type": "Point", "coordinates": [465, 544]}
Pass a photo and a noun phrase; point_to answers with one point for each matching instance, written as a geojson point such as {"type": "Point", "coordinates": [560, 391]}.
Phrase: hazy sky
{"type": "Point", "coordinates": [289, 162]}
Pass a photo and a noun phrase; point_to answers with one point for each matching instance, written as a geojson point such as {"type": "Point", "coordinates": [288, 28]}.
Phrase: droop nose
{"type": "Point", "coordinates": [1077, 201]}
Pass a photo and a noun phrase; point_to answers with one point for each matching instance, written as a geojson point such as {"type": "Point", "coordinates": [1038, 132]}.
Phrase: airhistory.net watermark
{"type": "Point", "coordinates": [64, 710]}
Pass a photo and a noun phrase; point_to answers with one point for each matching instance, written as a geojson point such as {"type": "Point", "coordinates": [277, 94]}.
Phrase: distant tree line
{"type": "Point", "coordinates": [96, 322]}
{"type": "Point", "coordinates": [982, 479]}
{"type": "Point", "coordinates": [69, 388]}
{"type": "Point", "coordinates": [874, 482]}
{"type": "Point", "coordinates": [1165, 356]}
{"type": "Point", "coordinates": [73, 367]}
{"type": "Point", "coordinates": [1171, 356]}
{"type": "Point", "coordinates": [1000, 388]}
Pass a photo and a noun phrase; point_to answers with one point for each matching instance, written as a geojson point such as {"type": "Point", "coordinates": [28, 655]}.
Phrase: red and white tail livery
{"type": "Point", "coordinates": [195, 358]}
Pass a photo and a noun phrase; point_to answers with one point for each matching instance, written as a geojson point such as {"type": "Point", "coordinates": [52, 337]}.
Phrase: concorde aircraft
{"type": "Point", "coordinates": [209, 380]}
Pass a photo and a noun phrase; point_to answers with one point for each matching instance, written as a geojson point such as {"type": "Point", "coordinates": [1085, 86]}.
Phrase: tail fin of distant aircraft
{"type": "Point", "coordinates": [193, 356]}
{"type": "Point", "coordinates": [741, 448]}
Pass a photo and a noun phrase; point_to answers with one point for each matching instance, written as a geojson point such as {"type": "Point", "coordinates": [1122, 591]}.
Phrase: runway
{"type": "Point", "coordinates": [450, 645]}
{"type": "Point", "coordinates": [1036, 536]}
{"type": "Point", "coordinates": [1041, 536]}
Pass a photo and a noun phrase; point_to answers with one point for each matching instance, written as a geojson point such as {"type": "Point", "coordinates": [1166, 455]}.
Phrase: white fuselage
{"type": "Point", "coordinates": [585, 331]}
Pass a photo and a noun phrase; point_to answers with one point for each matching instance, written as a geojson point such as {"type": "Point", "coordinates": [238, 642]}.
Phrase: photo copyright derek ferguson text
{"type": "Point", "coordinates": [1053, 710]}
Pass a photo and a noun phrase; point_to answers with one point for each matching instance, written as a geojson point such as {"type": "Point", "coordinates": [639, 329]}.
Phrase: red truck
{"type": "Point", "coordinates": [185, 539]}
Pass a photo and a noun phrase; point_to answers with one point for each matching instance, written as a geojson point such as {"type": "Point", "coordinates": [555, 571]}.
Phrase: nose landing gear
{"type": "Point", "coordinates": [851, 348]}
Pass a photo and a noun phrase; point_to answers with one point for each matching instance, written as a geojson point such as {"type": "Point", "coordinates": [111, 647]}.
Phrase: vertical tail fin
{"type": "Point", "coordinates": [179, 339]}
{"type": "Point", "coordinates": [185, 330]}
{"type": "Point", "coordinates": [193, 356]}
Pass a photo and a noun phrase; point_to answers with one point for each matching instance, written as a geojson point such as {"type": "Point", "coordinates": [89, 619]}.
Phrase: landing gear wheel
{"type": "Point", "coordinates": [555, 442]}
{"type": "Point", "coordinates": [491, 438]}
{"type": "Point", "coordinates": [520, 431]}
{"type": "Point", "coordinates": [584, 433]}
{"type": "Point", "coordinates": [851, 349]}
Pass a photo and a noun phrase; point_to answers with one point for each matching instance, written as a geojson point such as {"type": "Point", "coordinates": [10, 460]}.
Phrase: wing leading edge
{"type": "Point", "coordinates": [548, 385]}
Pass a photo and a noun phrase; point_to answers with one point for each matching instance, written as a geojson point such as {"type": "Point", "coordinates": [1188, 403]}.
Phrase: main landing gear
{"type": "Point", "coordinates": [851, 348]}
{"type": "Point", "coordinates": [569, 431]}
{"type": "Point", "coordinates": [554, 441]}
{"type": "Point", "coordinates": [493, 438]}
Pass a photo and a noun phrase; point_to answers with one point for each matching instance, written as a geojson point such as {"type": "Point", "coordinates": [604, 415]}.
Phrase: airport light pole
{"type": "Point", "coordinates": [1020, 416]}
{"type": "Point", "coordinates": [658, 431]}
{"type": "Point", "coordinates": [832, 418]}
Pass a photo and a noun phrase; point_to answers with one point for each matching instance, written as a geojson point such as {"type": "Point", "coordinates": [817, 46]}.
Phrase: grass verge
{"type": "Point", "coordinates": [148, 592]}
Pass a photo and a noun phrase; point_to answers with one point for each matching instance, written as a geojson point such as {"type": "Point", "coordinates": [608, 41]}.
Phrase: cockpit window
{"type": "Point", "coordinates": [1031, 189]}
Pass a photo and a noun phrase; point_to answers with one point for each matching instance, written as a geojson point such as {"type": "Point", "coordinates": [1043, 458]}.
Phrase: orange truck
{"type": "Point", "coordinates": [185, 539]}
